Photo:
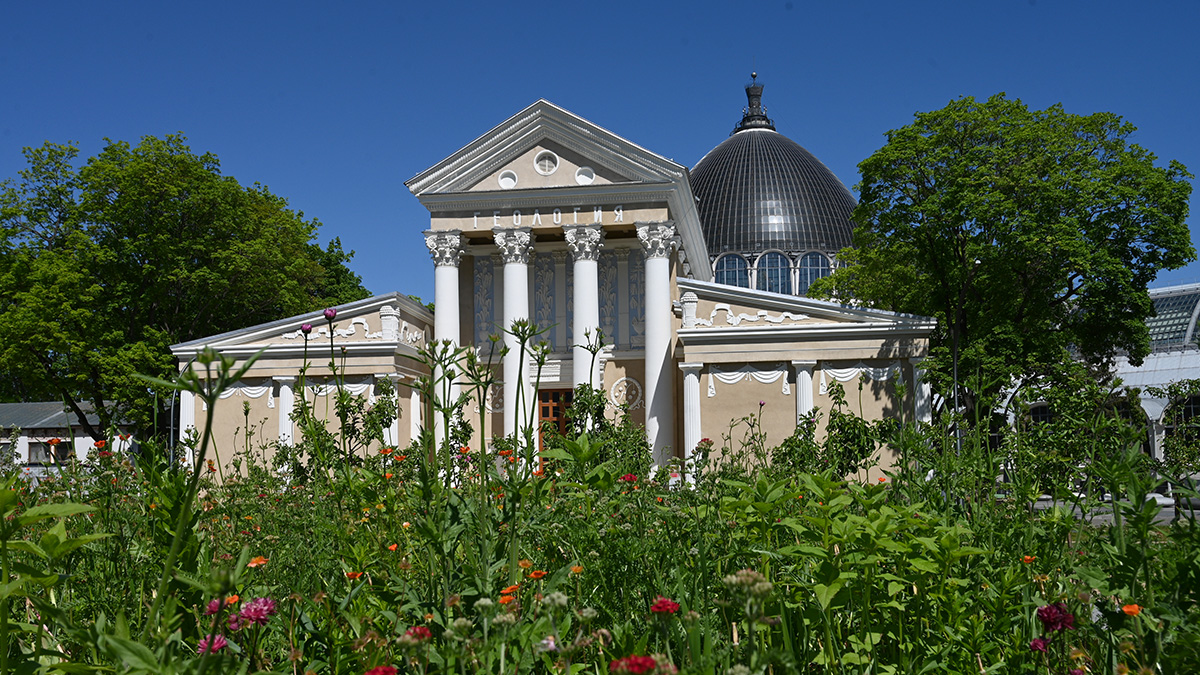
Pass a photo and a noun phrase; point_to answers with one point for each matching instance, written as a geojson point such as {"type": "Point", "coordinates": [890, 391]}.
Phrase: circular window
{"type": "Point", "coordinates": [546, 162]}
{"type": "Point", "coordinates": [584, 175]}
{"type": "Point", "coordinates": [507, 180]}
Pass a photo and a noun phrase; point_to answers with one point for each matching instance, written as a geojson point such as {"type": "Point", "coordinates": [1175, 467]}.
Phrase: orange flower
{"type": "Point", "coordinates": [465, 450]}
{"type": "Point", "coordinates": [232, 600]}
{"type": "Point", "coordinates": [401, 458]}
{"type": "Point", "coordinates": [385, 451]}
{"type": "Point", "coordinates": [537, 574]}
{"type": "Point", "coordinates": [54, 441]}
{"type": "Point", "coordinates": [406, 524]}
{"type": "Point", "coordinates": [538, 472]}
{"type": "Point", "coordinates": [504, 453]}
{"type": "Point", "coordinates": [576, 569]}
{"type": "Point", "coordinates": [1028, 559]}
{"type": "Point", "coordinates": [505, 599]}
{"type": "Point", "coordinates": [510, 590]}
{"type": "Point", "coordinates": [524, 564]}
{"type": "Point", "coordinates": [387, 476]}
{"type": "Point", "coordinates": [393, 547]}
{"type": "Point", "coordinates": [353, 575]}
{"type": "Point", "coordinates": [882, 479]}
{"type": "Point", "coordinates": [1132, 610]}
{"type": "Point", "coordinates": [100, 444]}
{"type": "Point", "coordinates": [257, 561]}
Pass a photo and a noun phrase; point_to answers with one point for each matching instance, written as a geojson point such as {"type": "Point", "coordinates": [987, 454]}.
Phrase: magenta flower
{"type": "Point", "coordinates": [212, 644]}
{"type": "Point", "coordinates": [761, 403]}
{"type": "Point", "coordinates": [236, 622]}
{"type": "Point", "coordinates": [665, 606]}
{"type": "Point", "coordinates": [628, 478]}
{"type": "Point", "coordinates": [330, 314]}
{"type": "Point", "coordinates": [214, 606]}
{"type": "Point", "coordinates": [258, 611]}
{"type": "Point", "coordinates": [1056, 617]}
{"type": "Point", "coordinates": [1038, 645]}
{"type": "Point", "coordinates": [306, 328]}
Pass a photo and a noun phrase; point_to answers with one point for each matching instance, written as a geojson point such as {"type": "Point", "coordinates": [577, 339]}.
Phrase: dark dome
{"type": "Point", "coordinates": [760, 190]}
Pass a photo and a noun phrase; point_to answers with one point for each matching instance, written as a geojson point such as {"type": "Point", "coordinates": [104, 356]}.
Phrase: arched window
{"type": "Point", "coordinates": [732, 270]}
{"type": "Point", "coordinates": [813, 266]}
{"type": "Point", "coordinates": [775, 273]}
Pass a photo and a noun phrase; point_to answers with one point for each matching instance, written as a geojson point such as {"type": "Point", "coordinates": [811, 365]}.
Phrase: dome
{"type": "Point", "coordinates": [759, 190]}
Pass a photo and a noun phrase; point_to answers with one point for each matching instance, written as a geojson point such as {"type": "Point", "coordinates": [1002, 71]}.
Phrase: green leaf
{"type": "Point", "coordinates": [134, 654]}
{"type": "Point", "coordinates": [826, 593]}
{"type": "Point", "coordinates": [45, 511]}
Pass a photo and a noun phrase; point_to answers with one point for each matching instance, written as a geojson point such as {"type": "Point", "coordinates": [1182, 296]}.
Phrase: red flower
{"type": "Point", "coordinates": [418, 633]}
{"type": "Point", "coordinates": [628, 478]}
{"type": "Point", "coordinates": [537, 574]}
{"type": "Point", "coordinates": [1132, 610]}
{"type": "Point", "coordinates": [634, 665]}
{"type": "Point", "coordinates": [664, 606]}
{"type": "Point", "coordinates": [353, 575]}
{"type": "Point", "coordinates": [54, 441]}
{"type": "Point", "coordinates": [381, 670]}
{"type": "Point", "coordinates": [1056, 617]}
{"type": "Point", "coordinates": [104, 454]}
{"type": "Point", "coordinates": [1038, 645]}
{"type": "Point", "coordinates": [100, 444]}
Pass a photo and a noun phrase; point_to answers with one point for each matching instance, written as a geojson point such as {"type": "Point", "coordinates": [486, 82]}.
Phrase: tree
{"type": "Point", "coordinates": [1030, 235]}
{"type": "Point", "coordinates": [103, 267]}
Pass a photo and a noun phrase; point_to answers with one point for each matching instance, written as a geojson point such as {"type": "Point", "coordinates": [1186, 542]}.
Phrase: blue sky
{"type": "Point", "coordinates": [334, 105]}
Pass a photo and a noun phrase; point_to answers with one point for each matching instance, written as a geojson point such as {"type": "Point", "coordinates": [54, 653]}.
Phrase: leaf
{"type": "Point", "coordinates": [134, 654]}
{"type": "Point", "coordinates": [826, 593]}
{"type": "Point", "coordinates": [45, 511]}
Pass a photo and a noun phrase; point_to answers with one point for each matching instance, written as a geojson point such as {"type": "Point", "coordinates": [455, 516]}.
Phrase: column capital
{"type": "Point", "coordinates": [284, 379]}
{"type": "Point", "coordinates": [658, 239]}
{"type": "Point", "coordinates": [584, 241]}
{"type": "Point", "coordinates": [445, 247]}
{"type": "Point", "coordinates": [806, 365]}
{"type": "Point", "coordinates": [515, 244]}
{"type": "Point", "coordinates": [690, 367]}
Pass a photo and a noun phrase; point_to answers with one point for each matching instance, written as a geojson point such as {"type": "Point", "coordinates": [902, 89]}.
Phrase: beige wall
{"type": "Point", "coordinates": [564, 176]}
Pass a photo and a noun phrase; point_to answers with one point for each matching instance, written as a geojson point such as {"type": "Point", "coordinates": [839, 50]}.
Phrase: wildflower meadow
{"type": "Point", "coordinates": [569, 553]}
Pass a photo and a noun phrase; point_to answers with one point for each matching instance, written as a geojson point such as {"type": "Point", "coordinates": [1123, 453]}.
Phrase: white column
{"type": "Point", "coordinates": [584, 243]}
{"type": "Point", "coordinates": [391, 435]}
{"type": "Point", "coordinates": [923, 403]}
{"type": "Point", "coordinates": [658, 239]}
{"type": "Point", "coordinates": [287, 402]}
{"type": "Point", "coordinates": [691, 410]}
{"type": "Point", "coordinates": [187, 413]}
{"type": "Point", "coordinates": [804, 387]}
{"type": "Point", "coordinates": [414, 404]}
{"type": "Point", "coordinates": [516, 245]}
{"type": "Point", "coordinates": [446, 249]}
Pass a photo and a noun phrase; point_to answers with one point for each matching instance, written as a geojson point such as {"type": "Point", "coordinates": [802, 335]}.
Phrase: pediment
{"type": "Point", "coordinates": [383, 322]}
{"type": "Point", "coordinates": [515, 143]}
{"type": "Point", "coordinates": [559, 166]}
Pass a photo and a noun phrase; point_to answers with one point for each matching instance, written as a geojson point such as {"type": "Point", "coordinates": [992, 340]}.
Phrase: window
{"type": "Point", "coordinates": [732, 270]}
{"type": "Point", "coordinates": [813, 266]}
{"type": "Point", "coordinates": [775, 273]}
{"type": "Point", "coordinates": [1040, 414]}
{"type": "Point", "coordinates": [546, 162]}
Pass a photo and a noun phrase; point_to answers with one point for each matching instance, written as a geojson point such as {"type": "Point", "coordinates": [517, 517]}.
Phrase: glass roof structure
{"type": "Point", "coordinates": [1177, 309]}
{"type": "Point", "coordinates": [759, 190]}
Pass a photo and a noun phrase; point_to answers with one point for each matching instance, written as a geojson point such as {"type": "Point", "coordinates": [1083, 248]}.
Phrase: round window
{"type": "Point", "coordinates": [507, 180]}
{"type": "Point", "coordinates": [584, 175]}
{"type": "Point", "coordinates": [546, 162]}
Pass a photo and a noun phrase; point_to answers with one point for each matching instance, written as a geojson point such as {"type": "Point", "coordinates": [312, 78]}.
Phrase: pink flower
{"type": "Point", "coordinates": [211, 644]}
{"type": "Point", "coordinates": [258, 611]}
{"type": "Point", "coordinates": [381, 670]}
{"type": "Point", "coordinates": [633, 665]}
{"type": "Point", "coordinates": [236, 622]}
{"type": "Point", "coordinates": [330, 314]}
{"type": "Point", "coordinates": [418, 633]}
{"type": "Point", "coordinates": [664, 606]}
{"type": "Point", "coordinates": [214, 606]}
{"type": "Point", "coordinates": [628, 478]}
{"type": "Point", "coordinates": [1038, 645]}
{"type": "Point", "coordinates": [306, 328]}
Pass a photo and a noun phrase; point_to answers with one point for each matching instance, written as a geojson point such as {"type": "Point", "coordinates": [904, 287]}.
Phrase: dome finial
{"type": "Point", "coordinates": [755, 115]}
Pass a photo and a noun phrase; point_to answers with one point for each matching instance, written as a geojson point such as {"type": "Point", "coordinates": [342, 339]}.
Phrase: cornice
{"type": "Point", "coordinates": [833, 331]}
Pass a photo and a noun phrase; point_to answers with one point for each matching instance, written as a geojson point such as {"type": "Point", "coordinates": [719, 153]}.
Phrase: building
{"type": "Point", "coordinates": [45, 434]}
{"type": "Point", "coordinates": [694, 278]}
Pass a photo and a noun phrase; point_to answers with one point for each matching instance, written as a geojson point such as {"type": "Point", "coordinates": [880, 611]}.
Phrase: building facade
{"type": "Point", "coordinates": [678, 293]}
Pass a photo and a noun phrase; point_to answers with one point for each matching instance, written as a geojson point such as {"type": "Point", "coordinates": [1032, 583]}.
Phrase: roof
{"type": "Point", "coordinates": [759, 190]}
{"type": "Point", "coordinates": [1176, 311]}
{"type": "Point", "coordinates": [41, 415]}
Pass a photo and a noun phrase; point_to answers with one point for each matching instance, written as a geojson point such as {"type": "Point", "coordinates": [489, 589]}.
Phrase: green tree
{"type": "Point", "coordinates": [1030, 235]}
{"type": "Point", "coordinates": [103, 266]}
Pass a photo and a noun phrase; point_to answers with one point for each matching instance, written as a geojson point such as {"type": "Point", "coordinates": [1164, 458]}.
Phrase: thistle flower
{"type": "Point", "coordinates": [330, 314]}
{"type": "Point", "coordinates": [306, 328]}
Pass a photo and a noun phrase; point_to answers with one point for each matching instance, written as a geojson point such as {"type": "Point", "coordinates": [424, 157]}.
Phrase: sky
{"type": "Point", "coordinates": [334, 105]}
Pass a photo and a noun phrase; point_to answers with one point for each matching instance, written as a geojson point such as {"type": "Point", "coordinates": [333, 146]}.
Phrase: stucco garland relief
{"type": "Point", "coordinates": [608, 295]}
{"type": "Point", "coordinates": [637, 298]}
{"type": "Point", "coordinates": [247, 391]}
{"type": "Point", "coordinates": [746, 372]}
{"type": "Point", "coordinates": [356, 389]}
{"type": "Point", "coordinates": [735, 318]}
{"type": "Point", "coordinates": [854, 372]}
{"type": "Point", "coordinates": [348, 331]}
{"type": "Point", "coordinates": [626, 390]}
{"type": "Point", "coordinates": [414, 337]}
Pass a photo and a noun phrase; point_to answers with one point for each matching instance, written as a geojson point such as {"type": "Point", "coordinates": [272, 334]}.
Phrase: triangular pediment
{"type": "Point", "coordinates": [548, 164]}
{"type": "Point", "coordinates": [384, 322]}
{"type": "Point", "coordinates": [514, 144]}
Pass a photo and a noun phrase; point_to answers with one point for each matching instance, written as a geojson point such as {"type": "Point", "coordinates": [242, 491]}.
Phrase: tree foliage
{"type": "Point", "coordinates": [1030, 235]}
{"type": "Point", "coordinates": [103, 266]}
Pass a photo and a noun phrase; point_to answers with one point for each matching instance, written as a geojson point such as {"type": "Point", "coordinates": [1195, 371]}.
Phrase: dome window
{"type": "Point", "coordinates": [774, 273]}
{"type": "Point", "coordinates": [545, 162]}
{"type": "Point", "coordinates": [732, 270]}
{"type": "Point", "coordinates": [813, 266]}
